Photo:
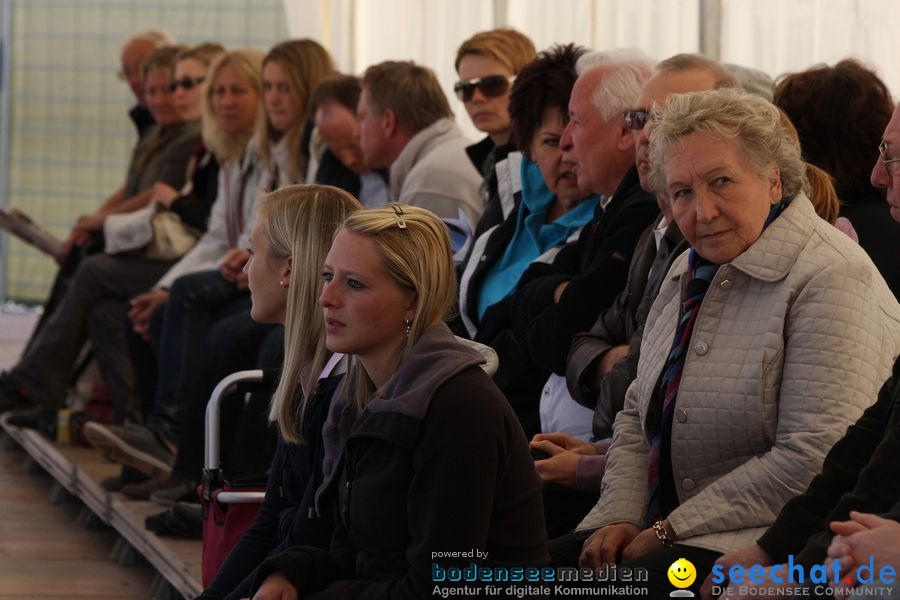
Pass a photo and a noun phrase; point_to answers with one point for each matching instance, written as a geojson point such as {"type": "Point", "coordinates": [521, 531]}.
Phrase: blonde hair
{"type": "Point", "coordinates": [418, 257]}
{"type": "Point", "coordinates": [162, 59]}
{"type": "Point", "coordinates": [729, 115]}
{"type": "Point", "coordinates": [300, 221]}
{"type": "Point", "coordinates": [508, 47]}
{"type": "Point", "coordinates": [248, 63]}
{"type": "Point", "coordinates": [205, 53]}
{"type": "Point", "coordinates": [305, 63]}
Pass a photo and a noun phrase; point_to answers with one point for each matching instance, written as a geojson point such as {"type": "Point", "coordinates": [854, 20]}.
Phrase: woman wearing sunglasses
{"type": "Point", "coordinates": [192, 203]}
{"type": "Point", "coordinates": [487, 63]}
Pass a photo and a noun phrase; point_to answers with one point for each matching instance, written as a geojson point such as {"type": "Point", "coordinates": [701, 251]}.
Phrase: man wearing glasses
{"type": "Point", "coordinates": [603, 362]}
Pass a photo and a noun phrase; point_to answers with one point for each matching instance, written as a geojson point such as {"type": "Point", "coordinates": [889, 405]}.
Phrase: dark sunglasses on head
{"type": "Point", "coordinates": [187, 83]}
{"type": "Point", "coordinates": [636, 119]}
{"type": "Point", "coordinates": [491, 86]}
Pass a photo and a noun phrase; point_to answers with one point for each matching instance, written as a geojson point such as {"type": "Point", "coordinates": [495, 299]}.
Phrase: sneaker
{"type": "Point", "coordinates": [143, 490]}
{"type": "Point", "coordinates": [178, 491]}
{"type": "Point", "coordinates": [182, 520]}
{"type": "Point", "coordinates": [133, 446]}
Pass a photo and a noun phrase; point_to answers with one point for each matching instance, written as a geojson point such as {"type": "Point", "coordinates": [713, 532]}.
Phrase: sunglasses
{"type": "Point", "coordinates": [187, 83]}
{"type": "Point", "coordinates": [636, 119]}
{"type": "Point", "coordinates": [491, 86]}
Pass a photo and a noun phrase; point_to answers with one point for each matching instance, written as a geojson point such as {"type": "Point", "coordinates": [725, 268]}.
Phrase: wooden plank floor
{"type": "Point", "coordinates": [45, 555]}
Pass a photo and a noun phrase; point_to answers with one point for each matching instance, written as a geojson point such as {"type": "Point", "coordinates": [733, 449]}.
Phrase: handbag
{"type": "Point", "coordinates": [153, 232]}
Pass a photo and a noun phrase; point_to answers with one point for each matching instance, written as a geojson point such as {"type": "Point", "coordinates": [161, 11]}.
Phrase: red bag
{"type": "Point", "coordinates": [224, 522]}
{"type": "Point", "coordinates": [228, 510]}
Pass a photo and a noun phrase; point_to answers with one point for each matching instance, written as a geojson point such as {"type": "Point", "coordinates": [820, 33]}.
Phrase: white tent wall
{"type": "Point", "coordinates": [364, 32]}
{"type": "Point", "coordinates": [775, 36]}
{"type": "Point", "coordinates": [785, 36]}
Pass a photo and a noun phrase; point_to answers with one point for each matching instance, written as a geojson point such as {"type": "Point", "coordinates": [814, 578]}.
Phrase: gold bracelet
{"type": "Point", "coordinates": [662, 534]}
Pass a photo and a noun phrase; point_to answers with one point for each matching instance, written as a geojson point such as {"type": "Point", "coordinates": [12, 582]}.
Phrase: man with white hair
{"type": "Point", "coordinates": [554, 301]}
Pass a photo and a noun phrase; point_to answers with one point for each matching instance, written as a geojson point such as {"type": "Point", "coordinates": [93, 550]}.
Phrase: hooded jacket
{"type": "Point", "coordinates": [439, 463]}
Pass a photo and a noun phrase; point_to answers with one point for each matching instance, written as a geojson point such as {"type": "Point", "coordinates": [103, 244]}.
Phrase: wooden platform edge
{"type": "Point", "coordinates": [110, 509]}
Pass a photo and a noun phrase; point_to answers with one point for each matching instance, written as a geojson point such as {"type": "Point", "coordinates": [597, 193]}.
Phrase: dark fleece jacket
{"type": "Point", "coordinates": [438, 464]}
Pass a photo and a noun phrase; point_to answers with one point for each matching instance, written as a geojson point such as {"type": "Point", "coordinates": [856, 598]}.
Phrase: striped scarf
{"type": "Point", "coordinates": [702, 273]}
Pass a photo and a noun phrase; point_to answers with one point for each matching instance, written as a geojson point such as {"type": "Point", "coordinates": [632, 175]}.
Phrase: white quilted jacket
{"type": "Point", "coordinates": [793, 340]}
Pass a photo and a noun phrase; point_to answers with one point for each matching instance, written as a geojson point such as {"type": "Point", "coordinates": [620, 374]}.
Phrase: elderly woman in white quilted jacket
{"type": "Point", "coordinates": [769, 337]}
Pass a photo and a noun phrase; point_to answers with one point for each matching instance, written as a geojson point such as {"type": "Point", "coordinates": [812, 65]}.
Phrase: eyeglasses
{"type": "Point", "coordinates": [886, 159]}
{"type": "Point", "coordinates": [491, 86]}
{"type": "Point", "coordinates": [187, 83]}
{"type": "Point", "coordinates": [636, 119]}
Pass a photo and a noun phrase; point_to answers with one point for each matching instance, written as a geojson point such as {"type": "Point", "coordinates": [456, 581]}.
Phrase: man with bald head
{"type": "Point", "coordinates": [603, 362]}
{"type": "Point", "coordinates": [135, 51]}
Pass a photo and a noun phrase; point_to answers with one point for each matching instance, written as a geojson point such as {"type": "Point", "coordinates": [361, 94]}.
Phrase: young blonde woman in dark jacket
{"type": "Point", "coordinates": [431, 458]}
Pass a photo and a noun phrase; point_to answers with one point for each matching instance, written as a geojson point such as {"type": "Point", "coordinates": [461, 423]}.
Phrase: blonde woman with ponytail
{"type": "Point", "coordinates": [288, 244]}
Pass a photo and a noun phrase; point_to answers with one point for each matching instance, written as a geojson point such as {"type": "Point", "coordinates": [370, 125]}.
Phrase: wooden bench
{"type": "Point", "coordinates": [79, 471]}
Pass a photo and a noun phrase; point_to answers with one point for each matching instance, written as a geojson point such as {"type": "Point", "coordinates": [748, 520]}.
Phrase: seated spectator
{"type": "Point", "coordinates": [205, 305]}
{"type": "Point", "coordinates": [487, 63]}
{"type": "Point", "coordinates": [406, 125]}
{"type": "Point", "coordinates": [542, 207]}
{"type": "Point", "coordinates": [859, 474]}
{"type": "Point", "coordinates": [431, 455]}
{"type": "Point", "coordinates": [231, 104]}
{"type": "Point", "coordinates": [867, 537]}
{"type": "Point", "coordinates": [99, 291]}
{"type": "Point", "coordinates": [166, 145]}
{"type": "Point", "coordinates": [602, 363]}
{"type": "Point", "coordinates": [291, 72]}
{"type": "Point", "coordinates": [839, 113]}
{"type": "Point", "coordinates": [340, 162]}
{"type": "Point", "coordinates": [193, 201]}
{"type": "Point", "coordinates": [532, 328]}
{"type": "Point", "coordinates": [133, 53]}
{"type": "Point", "coordinates": [292, 235]}
{"type": "Point", "coordinates": [733, 353]}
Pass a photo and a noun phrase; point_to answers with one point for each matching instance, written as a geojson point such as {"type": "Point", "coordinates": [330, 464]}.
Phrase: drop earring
{"type": "Point", "coordinates": [407, 327]}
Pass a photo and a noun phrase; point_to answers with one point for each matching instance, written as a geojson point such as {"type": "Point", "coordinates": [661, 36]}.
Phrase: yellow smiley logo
{"type": "Point", "coordinates": [682, 573]}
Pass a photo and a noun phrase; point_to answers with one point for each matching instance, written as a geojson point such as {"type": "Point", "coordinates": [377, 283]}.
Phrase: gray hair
{"type": "Point", "coordinates": [629, 69]}
{"type": "Point", "coordinates": [697, 62]}
{"type": "Point", "coordinates": [725, 115]}
{"type": "Point", "coordinates": [753, 81]}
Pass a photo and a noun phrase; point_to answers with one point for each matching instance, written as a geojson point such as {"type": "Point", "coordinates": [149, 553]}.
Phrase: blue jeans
{"type": "Point", "coordinates": [235, 343]}
{"type": "Point", "coordinates": [196, 302]}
